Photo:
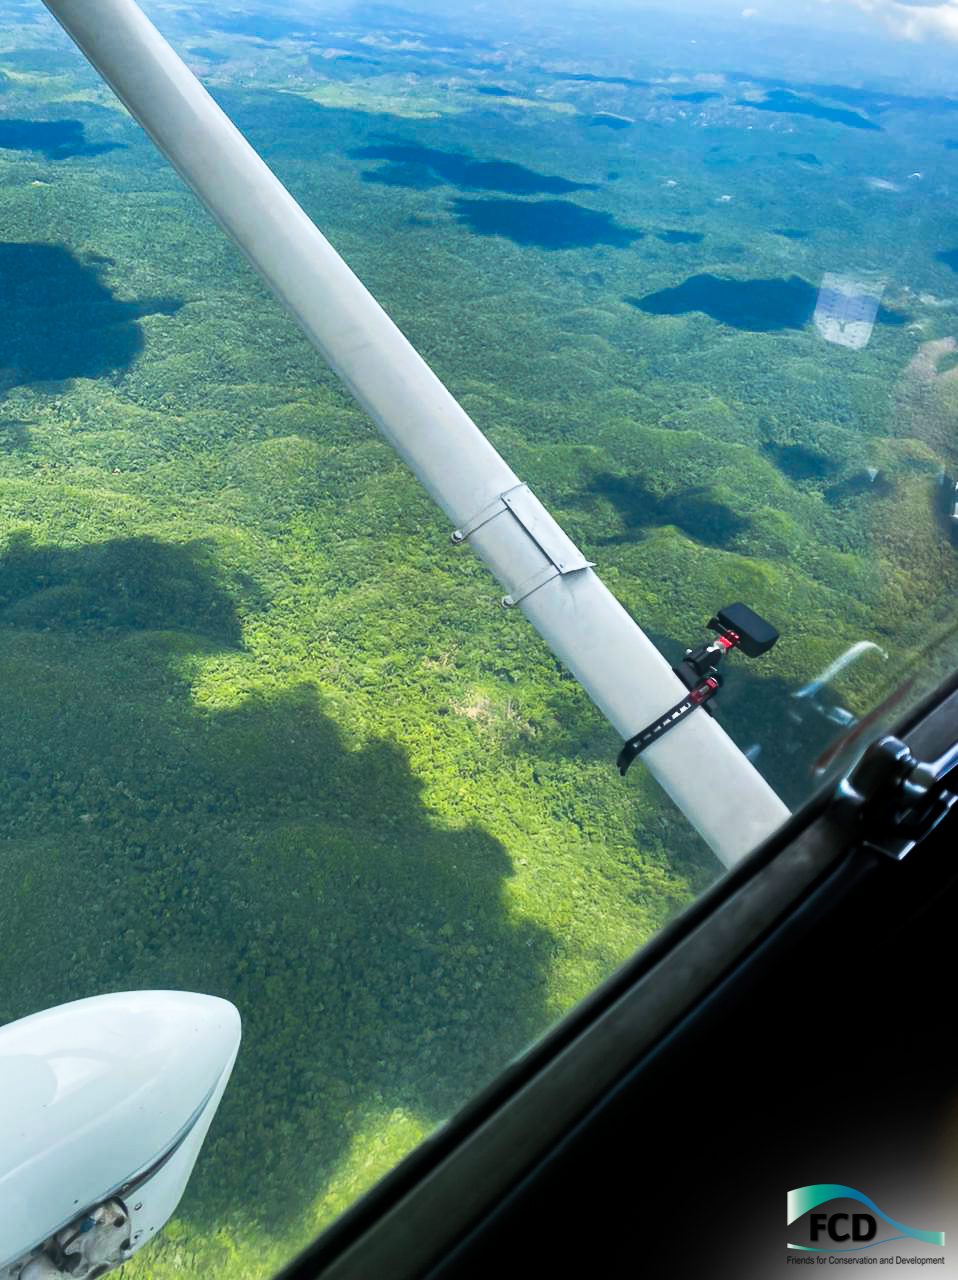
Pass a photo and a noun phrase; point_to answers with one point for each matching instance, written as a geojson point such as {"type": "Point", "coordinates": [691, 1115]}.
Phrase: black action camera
{"type": "Point", "coordinates": [755, 635]}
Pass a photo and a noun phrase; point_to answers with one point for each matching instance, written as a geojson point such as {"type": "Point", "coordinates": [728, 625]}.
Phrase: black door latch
{"type": "Point", "coordinates": [897, 799]}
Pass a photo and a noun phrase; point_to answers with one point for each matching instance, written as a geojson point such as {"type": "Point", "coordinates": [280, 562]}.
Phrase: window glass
{"type": "Point", "coordinates": [264, 732]}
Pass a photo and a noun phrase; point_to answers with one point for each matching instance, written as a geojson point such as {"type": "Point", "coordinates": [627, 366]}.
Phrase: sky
{"type": "Point", "coordinates": [906, 45]}
{"type": "Point", "coordinates": [915, 20]}
{"type": "Point", "coordinates": [911, 21]}
{"type": "Point", "coordinates": [902, 19]}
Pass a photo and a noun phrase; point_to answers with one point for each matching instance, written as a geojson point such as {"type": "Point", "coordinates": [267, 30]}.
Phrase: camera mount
{"type": "Point", "coordinates": [736, 627]}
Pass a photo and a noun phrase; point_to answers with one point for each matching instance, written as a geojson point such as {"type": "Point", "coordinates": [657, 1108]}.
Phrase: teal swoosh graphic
{"type": "Point", "coordinates": [802, 1199]}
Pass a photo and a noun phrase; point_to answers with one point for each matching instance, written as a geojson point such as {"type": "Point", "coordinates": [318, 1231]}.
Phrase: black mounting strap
{"type": "Point", "coordinates": [658, 728]}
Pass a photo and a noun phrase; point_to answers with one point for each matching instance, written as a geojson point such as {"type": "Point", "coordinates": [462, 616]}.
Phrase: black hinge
{"type": "Point", "coordinates": [895, 799]}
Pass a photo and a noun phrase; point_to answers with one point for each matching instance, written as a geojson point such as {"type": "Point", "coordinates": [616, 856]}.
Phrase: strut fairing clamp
{"type": "Point", "coordinates": [737, 627]}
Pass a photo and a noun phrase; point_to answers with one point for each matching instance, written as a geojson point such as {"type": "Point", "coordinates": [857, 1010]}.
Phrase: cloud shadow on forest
{"type": "Point", "coordinates": [208, 55]}
{"type": "Point", "coordinates": [803, 157]}
{"type": "Point", "coordinates": [859, 484]}
{"type": "Point", "coordinates": [250, 852]}
{"type": "Point", "coordinates": [784, 101]}
{"type": "Point", "coordinates": [699, 96]}
{"type": "Point", "coordinates": [411, 176]}
{"type": "Point", "coordinates": [428, 166]}
{"type": "Point", "coordinates": [586, 77]}
{"type": "Point", "coordinates": [798, 462]}
{"type": "Point", "coordinates": [125, 584]}
{"type": "Point", "coordinates": [680, 237]}
{"type": "Point", "coordinates": [14, 435]}
{"type": "Point", "coordinates": [60, 321]}
{"type": "Point", "coordinates": [55, 139]}
{"type": "Point", "coordinates": [258, 26]}
{"type": "Point", "coordinates": [695, 511]}
{"type": "Point", "coordinates": [40, 58]}
{"type": "Point", "coordinates": [757, 306]}
{"type": "Point", "coordinates": [544, 224]}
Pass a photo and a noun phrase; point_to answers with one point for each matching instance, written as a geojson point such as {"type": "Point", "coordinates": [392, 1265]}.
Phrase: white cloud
{"type": "Point", "coordinates": [913, 20]}
{"type": "Point", "coordinates": [749, 13]}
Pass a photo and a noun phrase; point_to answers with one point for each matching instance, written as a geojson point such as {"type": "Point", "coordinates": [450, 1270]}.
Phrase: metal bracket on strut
{"type": "Point", "coordinates": [546, 574]}
{"type": "Point", "coordinates": [554, 543]}
{"type": "Point", "coordinates": [896, 799]}
{"type": "Point", "coordinates": [495, 508]}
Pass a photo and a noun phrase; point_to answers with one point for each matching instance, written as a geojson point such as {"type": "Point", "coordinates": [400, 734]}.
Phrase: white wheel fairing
{"type": "Point", "coordinates": [94, 1093]}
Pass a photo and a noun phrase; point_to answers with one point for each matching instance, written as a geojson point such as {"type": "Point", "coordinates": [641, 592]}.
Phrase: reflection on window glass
{"type": "Point", "coordinates": [264, 734]}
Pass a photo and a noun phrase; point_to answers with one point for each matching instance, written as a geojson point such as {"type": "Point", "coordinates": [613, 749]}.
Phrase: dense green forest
{"type": "Point", "coordinates": [263, 731]}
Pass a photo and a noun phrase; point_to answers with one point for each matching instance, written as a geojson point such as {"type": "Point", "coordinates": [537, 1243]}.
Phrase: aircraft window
{"type": "Point", "coordinates": [266, 733]}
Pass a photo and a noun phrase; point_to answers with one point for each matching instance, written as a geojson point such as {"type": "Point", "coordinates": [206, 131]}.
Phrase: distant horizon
{"type": "Point", "coordinates": [908, 20]}
{"type": "Point", "coordinates": [881, 41]}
